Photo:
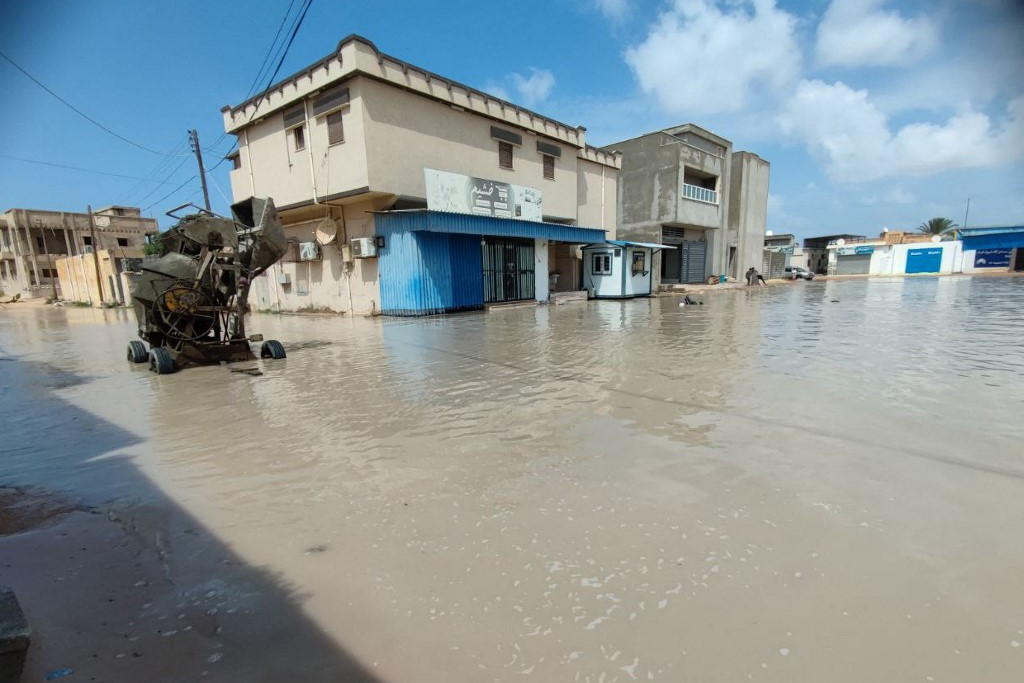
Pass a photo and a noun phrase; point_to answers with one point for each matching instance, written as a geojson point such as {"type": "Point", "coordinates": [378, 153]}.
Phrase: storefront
{"type": "Point", "coordinates": [434, 262]}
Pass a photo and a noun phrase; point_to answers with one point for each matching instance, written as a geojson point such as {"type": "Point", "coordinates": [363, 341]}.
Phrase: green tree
{"type": "Point", "coordinates": [937, 226]}
{"type": "Point", "coordinates": [152, 247]}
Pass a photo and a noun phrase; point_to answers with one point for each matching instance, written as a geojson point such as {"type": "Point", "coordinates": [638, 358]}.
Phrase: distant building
{"type": "Point", "coordinates": [778, 254]}
{"type": "Point", "coordinates": [993, 248]}
{"type": "Point", "coordinates": [374, 164]}
{"type": "Point", "coordinates": [895, 253]}
{"type": "Point", "coordinates": [685, 187]}
{"type": "Point", "coordinates": [816, 252]}
{"type": "Point", "coordinates": [32, 241]}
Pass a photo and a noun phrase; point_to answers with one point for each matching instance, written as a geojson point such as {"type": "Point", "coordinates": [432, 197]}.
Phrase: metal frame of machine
{"type": "Point", "coordinates": [191, 302]}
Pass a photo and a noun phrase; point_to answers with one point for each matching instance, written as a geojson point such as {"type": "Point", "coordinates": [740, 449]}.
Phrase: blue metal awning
{"type": "Point", "coordinates": [424, 220]}
{"type": "Point", "coordinates": [1005, 240]}
{"type": "Point", "coordinates": [646, 245]}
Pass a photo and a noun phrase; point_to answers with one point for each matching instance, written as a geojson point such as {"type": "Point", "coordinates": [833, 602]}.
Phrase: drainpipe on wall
{"type": "Point", "coordinates": [248, 153]}
{"type": "Point", "coordinates": [309, 149]}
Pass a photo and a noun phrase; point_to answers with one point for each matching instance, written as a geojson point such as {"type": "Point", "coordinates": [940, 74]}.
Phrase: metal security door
{"type": "Point", "coordinates": [854, 264]}
{"type": "Point", "coordinates": [508, 270]}
{"type": "Point", "coordinates": [691, 266]}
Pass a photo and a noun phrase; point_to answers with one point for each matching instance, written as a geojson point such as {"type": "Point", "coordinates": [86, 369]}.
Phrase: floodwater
{"type": "Point", "coordinates": [816, 482]}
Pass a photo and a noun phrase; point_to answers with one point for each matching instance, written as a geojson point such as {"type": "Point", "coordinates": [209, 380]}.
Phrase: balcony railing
{"type": "Point", "coordinates": [700, 194]}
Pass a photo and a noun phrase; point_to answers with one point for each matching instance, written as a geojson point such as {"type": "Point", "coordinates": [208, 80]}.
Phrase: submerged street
{"type": "Point", "coordinates": [821, 481]}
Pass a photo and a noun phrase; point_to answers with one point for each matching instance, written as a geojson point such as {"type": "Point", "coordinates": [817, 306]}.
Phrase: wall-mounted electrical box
{"type": "Point", "coordinates": [284, 279]}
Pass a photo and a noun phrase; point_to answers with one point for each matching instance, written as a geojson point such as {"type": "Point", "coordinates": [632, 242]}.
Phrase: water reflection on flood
{"type": "Point", "coordinates": [820, 481]}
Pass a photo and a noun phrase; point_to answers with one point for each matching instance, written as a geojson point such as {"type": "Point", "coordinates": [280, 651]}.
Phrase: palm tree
{"type": "Point", "coordinates": [937, 226]}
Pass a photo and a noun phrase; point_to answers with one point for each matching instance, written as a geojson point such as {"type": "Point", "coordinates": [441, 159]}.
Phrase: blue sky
{"type": "Point", "coordinates": [873, 114]}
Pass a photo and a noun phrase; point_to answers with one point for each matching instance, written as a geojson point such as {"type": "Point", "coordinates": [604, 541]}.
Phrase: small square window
{"type": "Point", "coordinates": [335, 128]}
{"type": "Point", "coordinates": [122, 241]}
{"type": "Point", "coordinates": [549, 166]}
{"type": "Point", "coordinates": [299, 136]}
{"type": "Point", "coordinates": [639, 262]}
{"type": "Point", "coordinates": [87, 240]}
{"type": "Point", "coordinates": [601, 264]}
{"type": "Point", "coordinates": [505, 155]}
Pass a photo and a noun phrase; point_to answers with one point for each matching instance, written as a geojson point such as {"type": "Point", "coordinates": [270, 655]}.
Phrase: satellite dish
{"type": "Point", "coordinates": [840, 241]}
{"type": "Point", "coordinates": [326, 231]}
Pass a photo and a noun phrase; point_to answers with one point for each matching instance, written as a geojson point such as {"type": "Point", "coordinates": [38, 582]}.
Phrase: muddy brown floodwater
{"type": "Point", "coordinates": [817, 482]}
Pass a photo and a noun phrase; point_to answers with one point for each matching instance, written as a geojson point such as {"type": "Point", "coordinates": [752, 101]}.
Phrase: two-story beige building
{"type": "Point", "coordinates": [685, 187]}
{"type": "Point", "coordinates": [360, 132]}
{"type": "Point", "coordinates": [33, 241]}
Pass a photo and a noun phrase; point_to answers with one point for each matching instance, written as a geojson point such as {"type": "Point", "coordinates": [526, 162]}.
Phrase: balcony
{"type": "Point", "coordinates": [700, 194]}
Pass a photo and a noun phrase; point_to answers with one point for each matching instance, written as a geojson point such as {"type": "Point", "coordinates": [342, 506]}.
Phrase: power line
{"type": "Point", "coordinates": [287, 46]}
{"type": "Point", "coordinates": [83, 170]}
{"type": "Point", "coordinates": [79, 111]}
{"type": "Point", "coordinates": [270, 51]}
{"type": "Point", "coordinates": [160, 167]}
{"type": "Point", "coordinates": [168, 194]}
{"type": "Point", "coordinates": [169, 176]}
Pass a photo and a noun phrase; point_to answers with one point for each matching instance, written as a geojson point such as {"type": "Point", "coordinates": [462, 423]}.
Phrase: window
{"type": "Point", "coordinates": [39, 243]}
{"type": "Point", "coordinates": [549, 166]}
{"type": "Point", "coordinates": [505, 155]}
{"type": "Point", "coordinates": [601, 264]}
{"type": "Point", "coordinates": [122, 241]}
{"type": "Point", "coordinates": [87, 240]}
{"type": "Point", "coordinates": [299, 135]}
{"type": "Point", "coordinates": [335, 129]}
{"type": "Point", "coordinates": [639, 263]}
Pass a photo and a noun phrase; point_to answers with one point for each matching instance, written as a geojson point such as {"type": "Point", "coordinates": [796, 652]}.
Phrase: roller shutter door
{"type": "Point", "coordinates": [858, 264]}
{"type": "Point", "coordinates": [691, 266]}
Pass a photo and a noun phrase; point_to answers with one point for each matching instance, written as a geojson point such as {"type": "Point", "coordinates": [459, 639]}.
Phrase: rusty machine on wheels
{"type": "Point", "coordinates": [191, 302]}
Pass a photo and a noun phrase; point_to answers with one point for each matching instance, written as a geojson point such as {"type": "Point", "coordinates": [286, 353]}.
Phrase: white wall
{"type": "Point", "coordinates": [540, 250]}
{"type": "Point", "coordinates": [638, 285]}
{"type": "Point", "coordinates": [602, 285]}
{"type": "Point", "coordinates": [892, 259]}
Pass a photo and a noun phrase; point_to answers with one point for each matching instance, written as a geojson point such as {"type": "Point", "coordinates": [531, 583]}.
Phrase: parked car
{"type": "Point", "coordinates": [798, 273]}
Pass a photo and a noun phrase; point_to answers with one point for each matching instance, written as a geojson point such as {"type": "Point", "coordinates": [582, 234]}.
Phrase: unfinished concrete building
{"type": "Point", "coordinates": [33, 241]}
{"type": "Point", "coordinates": [685, 187]}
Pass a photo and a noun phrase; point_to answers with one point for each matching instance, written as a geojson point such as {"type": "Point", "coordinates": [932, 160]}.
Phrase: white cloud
{"type": "Point", "coordinates": [701, 57]}
{"type": "Point", "coordinates": [535, 88]}
{"type": "Point", "coordinates": [853, 138]}
{"type": "Point", "coordinates": [615, 10]}
{"type": "Point", "coordinates": [861, 33]}
{"type": "Point", "coordinates": [896, 195]}
{"type": "Point", "coordinates": [498, 91]}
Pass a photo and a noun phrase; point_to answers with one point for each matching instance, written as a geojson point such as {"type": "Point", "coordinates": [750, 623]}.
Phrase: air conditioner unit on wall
{"type": "Point", "coordinates": [363, 247]}
{"type": "Point", "coordinates": [309, 251]}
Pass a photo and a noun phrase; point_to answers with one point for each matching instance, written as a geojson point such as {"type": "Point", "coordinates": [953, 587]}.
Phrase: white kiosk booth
{"type": "Point", "coordinates": [619, 269]}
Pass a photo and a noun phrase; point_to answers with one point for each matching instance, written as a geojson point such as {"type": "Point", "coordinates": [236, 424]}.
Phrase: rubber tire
{"type": "Point", "coordinates": [137, 352]}
{"type": "Point", "coordinates": [272, 349]}
{"type": "Point", "coordinates": [160, 361]}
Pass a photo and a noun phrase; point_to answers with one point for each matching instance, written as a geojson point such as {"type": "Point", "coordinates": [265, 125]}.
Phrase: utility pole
{"type": "Point", "coordinates": [95, 252]}
{"type": "Point", "coordinates": [194, 138]}
{"type": "Point", "coordinates": [966, 211]}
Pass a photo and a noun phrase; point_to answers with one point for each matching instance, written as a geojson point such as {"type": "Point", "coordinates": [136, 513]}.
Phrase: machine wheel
{"type": "Point", "coordinates": [160, 361]}
{"type": "Point", "coordinates": [137, 352]}
{"type": "Point", "coordinates": [272, 349]}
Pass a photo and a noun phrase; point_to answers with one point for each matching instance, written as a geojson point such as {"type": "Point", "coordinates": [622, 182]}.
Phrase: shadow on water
{"type": "Point", "coordinates": [249, 623]}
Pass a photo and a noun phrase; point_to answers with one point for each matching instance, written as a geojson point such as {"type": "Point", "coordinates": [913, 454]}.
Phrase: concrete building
{"type": "Point", "coordinates": [32, 242]}
{"type": "Point", "coordinates": [685, 187]}
{"type": "Point", "coordinates": [895, 253]}
{"type": "Point", "coordinates": [778, 254]}
{"type": "Point", "coordinates": [816, 251]}
{"type": "Point", "coordinates": [359, 133]}
{"type": "Point", "coordinates": [993, 248]}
